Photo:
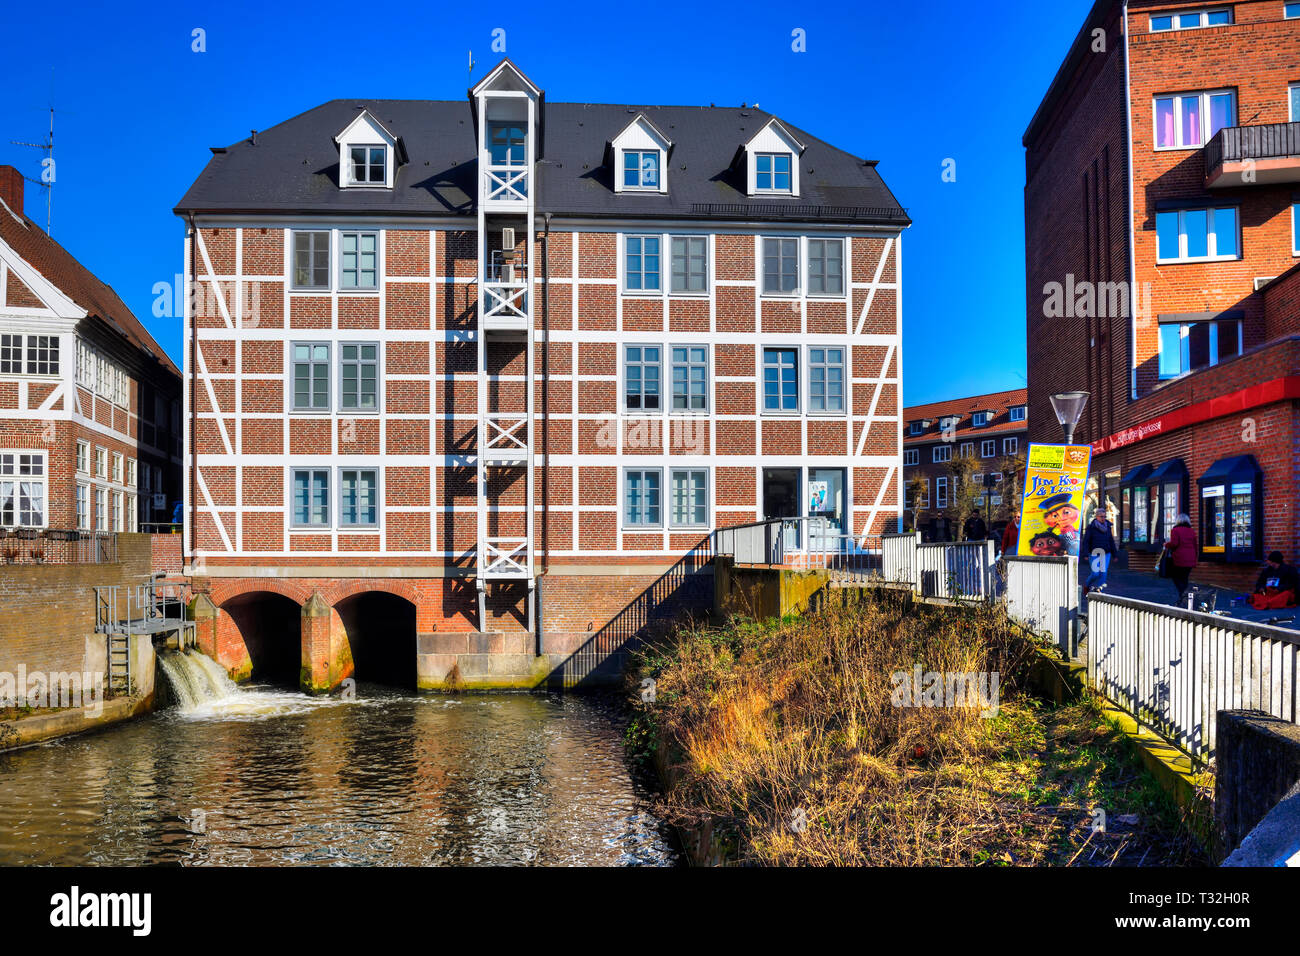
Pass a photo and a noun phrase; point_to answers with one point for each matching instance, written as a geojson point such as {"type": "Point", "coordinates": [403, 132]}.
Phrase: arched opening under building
{"type": "Point", "coordinates": [270, 626]}
{"type": "Point", "coordinates": [381, 634]}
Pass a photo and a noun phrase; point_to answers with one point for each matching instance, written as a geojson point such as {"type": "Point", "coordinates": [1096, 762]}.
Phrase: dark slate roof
{"type": "Point", "coordinates": [78, 283]}
{"type": "Point", "coordinates": [293, 168]}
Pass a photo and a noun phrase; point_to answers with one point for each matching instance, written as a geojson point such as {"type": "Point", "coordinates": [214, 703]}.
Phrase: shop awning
{"type": "Point", "coordinates": [1172, 470]}
{"type": "Point", "coordinates": [1136, 476]}
{"type": "Point", "coordinates": [1229, 471]}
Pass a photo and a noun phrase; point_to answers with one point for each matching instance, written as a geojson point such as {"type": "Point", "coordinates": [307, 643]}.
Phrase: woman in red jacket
{"type": "Point", "coordinates": [1181, 548]}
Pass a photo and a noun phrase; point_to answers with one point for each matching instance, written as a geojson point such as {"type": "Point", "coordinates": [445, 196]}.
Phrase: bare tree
{"type": "Point", "coordinates": [918, 491]}
{"type": "Point", "coordinates": [964, 491]}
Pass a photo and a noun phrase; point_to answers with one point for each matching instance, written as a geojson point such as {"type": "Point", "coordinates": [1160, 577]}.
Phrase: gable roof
{"type": "Point", "coordinates": [963, 408]}
{"type": "Point", "coordinates": [78, 283]}
{"type": "Point", "coordinates": [293, 168]}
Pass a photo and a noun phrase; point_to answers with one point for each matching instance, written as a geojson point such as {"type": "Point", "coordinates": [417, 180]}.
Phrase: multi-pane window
{"type": "Point", "coordinates": [1010, 446]}
{"type": "Point", "coordinates": [942, 453]}
{"type": "Point", "coordinates": [909, 500]}
{"type": "Point", "coordinates": [1190, 120]}
{"type": "Point", "coordinates": [641, 377]}
{"type": "Point", "coordinates": [941, 492]}
{"type": "Point", "coordinates": [83, 507]}
{"type": "Point", "coordinates": [1018, 413]}
{"type": "Point", "coordinates": [1191, 235]}
{"type": "Point", "coordinates": [311, 375]}
{"type": "Point", "coordinates": [641, 169]}
{"type": "Point", "coordinates": [642, 264]}
{"type": "Point", "coordinates": [115, 499]}
{"type": "Point", "coordinates": [311, 497]}
{"type": "Point", "coordinates": [359, 376]}
{"type": "Point", "coordinates": [118, 464]}
{"type": "Point", "coordinates": [22, 489]}
{"type": "Point", "coordinates": [1195, 19]}
{"type": "Point", "coordinates": [369, 164]}
{"type": "Point", "coordinates": [506, 144]}
{"type": "Point", "coordinates": [83, 458]}
{"type": "Point", "coordinates": [967, 449]}
{"type": "Point", "coordinates": [690, 265]}
{"type": "Point", "coordinates": [825, 266]}
{"type": "Point", "coordinates": [132, 513]}
{"type": "Point", "coordinates": [101, 509]}
{"type": "Point", "coordinates": [359, 497]}
{"type": "Point", "coordinates": [690, 378]}
{"type": "Point", "coordinates": [40, 357]}
{"type": "Point", "coordinates": [915, 428]}
{"type": "Point", "coordinates": [979, 418]}
{"type": "Point", "coordinates": [988, 448]}
{"type": "Point", "coordinates": [101, 462]}
{"type": "Point", "coordinates": [912, 456]}
{"type": "Point", "coordinates": [311, 260]}
{"type": "Point", "coordinates": [85, 365]}
{"type": "Point", "coordinates": [780, 265]}
{"type": "Point", "coordinates": [781, 380]}
{"type": "Point", "coordinates": [690, 497]}
{"type": "Point", "coordinates": [642, 497]}
{"type": "Point", "coordinates": [825, 380]}
{"type": "Point", "coordinates": [130, 472]}
{"type": "Point", "coordinates": [1185, 346]}
{"type": "Point", "coordinates": [772, 172]}
{"type": "Point", "coordinates": [360, 266]}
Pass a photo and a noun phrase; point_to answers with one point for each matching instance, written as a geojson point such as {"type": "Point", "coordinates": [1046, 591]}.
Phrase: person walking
{"type": "Point", "coordinates": [1011, 536]}
{"type": "Point", "coordinates": [975, 528]}
{"type": "Point", "coordinates": [1099, 545]}
{"type": "Point", "coordinates": [1181, 548]}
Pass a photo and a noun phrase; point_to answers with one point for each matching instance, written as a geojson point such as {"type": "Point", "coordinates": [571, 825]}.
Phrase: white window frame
{"type": "Point", "coordinates": [946, 456]}
{"type": "Point", "coordinates": [806, 278]}
{"type": "Point", "coordinates": [377, 362]}
{"type": "Point", "coordinates": [642, 363]}
{"type": "Point", "coordinates": [379, 261]}
{"type": "Point", "coordinates": [688, 238]}
{"type": "Point", "coordinates": [379, 498]}
{"type": "Point", "coordinates": [708, 378]}
{"type": "Point", "coordinates": [1018, 413]}
{"type": "Point", "coordinates": [1175, 21]}
{"type": "Point", "coordinates": [941, 492]}
{"type": "Point", "coordinates": [312, 362]}
{"type": "Point", "coordinates": [83, 506]}
{"type": "Point", "coordinates": [640, 186]}
{"type": "Point", "coordinates": [101, 509]}
{"type": "Point", "coordinates": [623, 521]}
{"type": "Point", "coordinates": [132, 507]}
{"type": "Point", "coordinates": [979, 419]}
{"type": "Point", "coordinates": [966, 449]}
{"type": "Point", "coordinates": [369, 164]}
{"type": "Point", "coordinates": [11, 466]}
{"type": "Point", "coordinates": [670, 504]}
{"type": "Point", "coordinates": [915, 428]}
{"type": "Point", "coordinates": [925, 497]}
{"type": "Point", "coordinates": [1212, 239]}
{"type": "Point", "coordinates": [1291, 11]}
{"type": "Point", "coordinates": [1010, 446]}
{"type": "Point", "coordinates": [25, 343]}
{"type": "Point", "coordinates": [911, 456]}
{"type": "Point", "coordinates": [83, 457]}
{"type": "Point", "coordinates": [1295, 229]}
{"type": "Point", "coordinates": [842, 365]}
{"type": "Point", "coordinates": [119, 468]}
{"type": "Point", "coordinates": [1203, 108]}
{"type": "Point", "coordinates": [623, 272]}
{"type": "Point", "coordinates": [799, 264]}
{"type": "Point", "coordinates": [798, 380]}
{"type": "Point", "coordinates": [988, 448]}
{"type": "Point", "coordinates": [772, 189]}
{"type": "Point", "coordinates": [101, 462]}
{"type": "Point", "coordinates": [115, 499]}
{"type": "Point", "coordinates": [132, 473]}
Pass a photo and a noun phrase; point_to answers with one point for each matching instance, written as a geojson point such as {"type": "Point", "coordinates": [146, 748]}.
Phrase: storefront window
{"type": "Point", "coordinates": [1140, 509]}
{"type": "Point", "coordinates": [1125, 521]}
{"type": "Point", "coordinates": [1231, 510]}
{"type": "Point", "coordinates": [1168, 490]}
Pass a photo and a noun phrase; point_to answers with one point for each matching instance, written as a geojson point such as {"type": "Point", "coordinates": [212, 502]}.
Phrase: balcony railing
{"type": "Point", "coordinates": [505, 558]}
{"type": "Point", "coordinates": [505, 305]}
{"type": "Point", "coordinates": [1269, 152]}
{"type": "Point", "coordinates": [56, 546]}
{"type": "Point", "coordinates": [503, 437]}
{"type": "Point", "coordinates": [506, 184]}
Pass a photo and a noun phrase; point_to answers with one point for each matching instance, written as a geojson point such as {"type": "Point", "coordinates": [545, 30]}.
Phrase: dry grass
{"type": "Point", "coordinates": [766, 725]}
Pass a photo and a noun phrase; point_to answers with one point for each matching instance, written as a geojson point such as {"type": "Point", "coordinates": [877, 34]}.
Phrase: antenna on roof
{"type": "Point", "coordinates": [46, 181]}
{"type": "Point", "coordinates": [470, 80]}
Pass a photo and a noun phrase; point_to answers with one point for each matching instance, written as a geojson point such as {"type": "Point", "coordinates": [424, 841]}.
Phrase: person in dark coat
{"type": "Point", "coordinates": [1181, 548]}
{"type": "Point", "coordinates": [1098, 536]}
{"type": "Point", "coordinates": [1278, 585]}
{"type": "Point", "coordinates": [975, 528]}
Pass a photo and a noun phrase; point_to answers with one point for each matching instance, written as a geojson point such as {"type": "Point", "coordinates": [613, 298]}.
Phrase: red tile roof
{"type": "Point", "coordinates": [998, 402]}
{"type": "Point", "coordinates": [77, 282]}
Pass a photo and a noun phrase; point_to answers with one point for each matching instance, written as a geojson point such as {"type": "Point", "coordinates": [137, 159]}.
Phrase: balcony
{"type": "Point", "coordinates": [505, 186]}
{"type": "Point", "coordinates": [505, 307]}
{"type": "Point", "coordinates": [505, 559]}
{"type": "Point", "coordinates": [1253, 155]}
{"type": "Point", "coordinates": [503, 438]}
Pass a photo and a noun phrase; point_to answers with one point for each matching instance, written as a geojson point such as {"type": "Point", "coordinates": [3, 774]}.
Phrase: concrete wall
{"type": "Point", "coordinates": [1258, 758]}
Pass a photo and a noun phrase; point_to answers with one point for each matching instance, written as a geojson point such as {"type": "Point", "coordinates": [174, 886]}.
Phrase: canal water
{"type": "Point", "coordinates": [267, 776]}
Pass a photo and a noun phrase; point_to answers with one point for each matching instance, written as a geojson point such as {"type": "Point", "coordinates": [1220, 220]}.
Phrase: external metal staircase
{"type": "Point", "coordinates": [155, 608]}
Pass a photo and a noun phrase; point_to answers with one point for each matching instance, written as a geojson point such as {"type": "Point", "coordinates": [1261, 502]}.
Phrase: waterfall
{"type": "Point", "coordinates": [194, 678]}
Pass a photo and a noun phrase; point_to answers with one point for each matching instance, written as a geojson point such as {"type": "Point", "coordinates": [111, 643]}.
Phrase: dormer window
{"type": "Point", "coordinates": [639, 155]}
{"type": "Point", "coordinates": [979, 419]}
{"type": "Point", "coordinates": [1018, 413]}
{"type": "Point", "coordinates": [915, 428]}
{"type": "Point", "coordinates": [641, 169]}
{"type": "Point", "coordinates": [368, 154]}
{"type": "Point", "coordinates": [772, 172]}
{"type": "Point", "coordinates": [369, 165]}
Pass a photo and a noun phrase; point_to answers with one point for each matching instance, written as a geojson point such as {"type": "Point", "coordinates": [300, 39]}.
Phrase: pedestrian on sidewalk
{"type": "Point", "coordinates": [1099, 545]}
{"type": "Point", "coordinates": [975, 529]}
{"type": "Point", "coordinates": [1181, 548]}
{"type": "Point", "coordinates": [1011, 535]}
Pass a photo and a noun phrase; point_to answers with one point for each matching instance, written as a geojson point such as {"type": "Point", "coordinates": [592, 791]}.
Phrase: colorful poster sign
{"type": "Point", "coordinates": [1055, 479]}
{"type": "Point", "coordinates": [817, 497]}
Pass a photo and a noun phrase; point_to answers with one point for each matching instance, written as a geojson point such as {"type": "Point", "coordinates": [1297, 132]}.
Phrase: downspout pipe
{"type": "Point", "coordinates": [546, 423]}
{"type": "Point", "coordinates": [1135, 294]}
{"type": "Point", "coordinates": [189, 458]}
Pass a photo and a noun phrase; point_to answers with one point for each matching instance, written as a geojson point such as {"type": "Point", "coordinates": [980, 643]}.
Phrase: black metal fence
{"type": "Point", "coordinates": [56, 546]}
{"type": "Point", "coordinates": [1265, 141]}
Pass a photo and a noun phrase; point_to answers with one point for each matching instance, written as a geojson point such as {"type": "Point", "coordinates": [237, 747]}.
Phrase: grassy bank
{"type": "Point", "coordinates": [787, 742]}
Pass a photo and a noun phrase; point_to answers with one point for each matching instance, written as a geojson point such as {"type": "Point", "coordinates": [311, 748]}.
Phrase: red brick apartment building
{"type": "Point", "coordinates": [1162, 177]}
{"type": "Point", "coordinates": [483, 375]}
{"type": "Point", "coordinates": [90, 410]}
{"type": "Point", "coordinates": [990, 428]}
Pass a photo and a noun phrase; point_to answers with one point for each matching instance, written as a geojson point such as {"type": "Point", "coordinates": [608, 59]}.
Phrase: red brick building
{"type": "Point", "coordinates": [492, 370]}
{"type": "Point", "coordinates": [990, 428]}
{"type": "Point", "coordinates": [1161, 243]}
{"type": "Point", "coordinates": [90, 423]}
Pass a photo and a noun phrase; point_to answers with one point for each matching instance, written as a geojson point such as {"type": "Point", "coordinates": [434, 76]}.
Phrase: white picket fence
{"type": "Point", "coordinates": [1174, 669]}
{"type": "Point", "coordinates": [1043, 595]}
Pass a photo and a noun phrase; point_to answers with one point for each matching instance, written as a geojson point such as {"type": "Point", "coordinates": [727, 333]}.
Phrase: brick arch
{"type": "Point", "coordinates": [398, 588]}
{"type": "Point", "coordinates": [222, 592]}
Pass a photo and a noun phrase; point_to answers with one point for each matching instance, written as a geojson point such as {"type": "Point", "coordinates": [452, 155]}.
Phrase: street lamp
{"type": "Point", "coordinates": [1069, 407]}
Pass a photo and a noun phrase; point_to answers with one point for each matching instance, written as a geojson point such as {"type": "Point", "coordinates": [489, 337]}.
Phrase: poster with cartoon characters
{"type": "Point", "coordinates": [1055, 478]}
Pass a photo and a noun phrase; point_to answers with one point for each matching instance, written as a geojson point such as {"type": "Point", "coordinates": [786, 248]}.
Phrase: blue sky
{"type": "Point", "coordinates": [909, 85]}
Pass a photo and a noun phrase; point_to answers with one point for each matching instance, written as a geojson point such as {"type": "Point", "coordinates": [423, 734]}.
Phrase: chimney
{"type": "Point", "coordinates": [11, 188]}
